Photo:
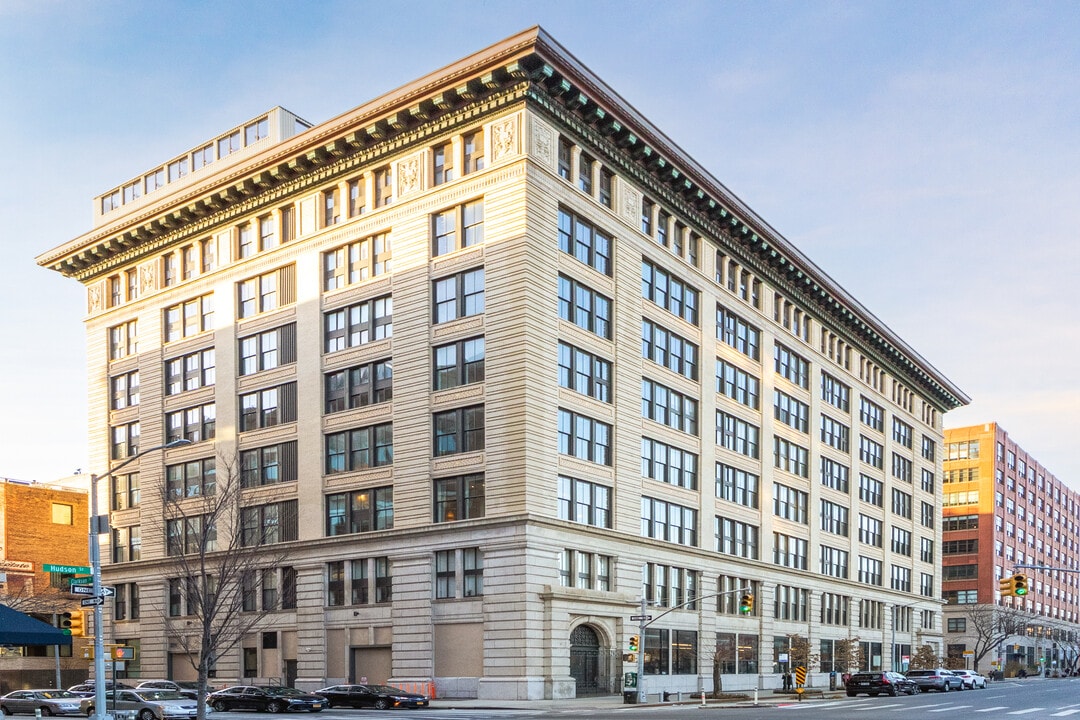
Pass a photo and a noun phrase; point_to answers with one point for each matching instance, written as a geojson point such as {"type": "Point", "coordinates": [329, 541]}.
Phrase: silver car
{"type": "Point", "coordinates": [147, 704]}
{"type": "Point", "coordinates": [49, 702]}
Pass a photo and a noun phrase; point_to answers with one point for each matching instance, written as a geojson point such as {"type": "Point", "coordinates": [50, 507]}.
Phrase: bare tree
{"type": "Point", "coordinates": [991, 625]}
{"type": "Point", "coordinates": [218, 558]}
{"type": "Point", "coordinates": [801, 652]}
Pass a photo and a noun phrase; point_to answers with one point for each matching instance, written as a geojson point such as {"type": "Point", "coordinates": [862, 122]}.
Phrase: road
{"type": "Point", "coordinates": [1031, 699]}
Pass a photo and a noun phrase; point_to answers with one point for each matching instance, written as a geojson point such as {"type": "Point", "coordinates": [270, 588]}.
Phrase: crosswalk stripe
{"type": "Point", "coordinates": [992, 709]}
{"type": "Point", "coordinates": [950, 708]}
{"type": "Point", "coordinates": [1065, 713]}
{"type": "Point", "coordinates": [1025, 712]}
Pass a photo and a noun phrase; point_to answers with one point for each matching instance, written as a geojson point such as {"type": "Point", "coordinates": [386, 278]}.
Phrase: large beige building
{"type": "Point", "coordinates": [496, 358]}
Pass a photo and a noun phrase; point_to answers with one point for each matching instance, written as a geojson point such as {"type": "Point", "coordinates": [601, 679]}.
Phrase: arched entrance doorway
{"type": "Point", "coordinates": [590, 664]}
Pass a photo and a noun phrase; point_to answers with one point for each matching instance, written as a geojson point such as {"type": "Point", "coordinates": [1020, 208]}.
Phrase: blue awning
{"type": "Point", "coordinates": [18, 628]}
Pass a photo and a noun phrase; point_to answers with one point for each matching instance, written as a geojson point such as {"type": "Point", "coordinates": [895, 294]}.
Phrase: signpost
{"type": "Point", "coordinates": [92, 601]}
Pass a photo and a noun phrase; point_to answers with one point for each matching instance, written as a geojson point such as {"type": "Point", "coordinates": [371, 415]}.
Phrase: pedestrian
{"type": "Point", "coordinates": [1022, 674]}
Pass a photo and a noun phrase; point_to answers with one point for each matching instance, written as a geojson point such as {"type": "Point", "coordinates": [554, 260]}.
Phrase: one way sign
{"type": "Point", "coordinates": [89, 590]}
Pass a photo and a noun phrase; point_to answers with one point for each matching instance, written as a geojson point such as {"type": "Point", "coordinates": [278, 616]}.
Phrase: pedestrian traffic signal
{"type": "Point", "coordinates": [746, 604]}
{"type": "Point", "coordinates": [629, 657]}
{"type": "Point", "coordinates": [71, 623]}
{"type": "Point", "coordinates": [633, 645]}
{"type": "Point", "coordinates": [1020, 584]}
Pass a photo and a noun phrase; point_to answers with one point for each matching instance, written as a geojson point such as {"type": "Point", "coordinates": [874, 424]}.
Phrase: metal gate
{"type": "Point", "coordinates": [590, 664]}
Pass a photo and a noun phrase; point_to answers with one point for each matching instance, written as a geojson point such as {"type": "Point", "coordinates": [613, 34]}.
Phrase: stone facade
{"type": "Point", "coordinates": [480, 524]}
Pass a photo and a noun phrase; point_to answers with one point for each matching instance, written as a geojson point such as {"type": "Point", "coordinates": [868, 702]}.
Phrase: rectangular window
{"type": "Point", "coordinates": [124, 441]}
{"type": "Point", "coordinates": [458, 296]}
{"type": "Point", "coordinates": [442, 163]}
{"type": "Point", "coordinates": [901, 503]}
{"type": "Point", "coordinates": [793, 413]}
{"type": "Point", "coordinates": [268, 407]}
{"type": "Point", "coordinates": [668, 464]}
{"type": "Point", "coordinates": [872, 414]}
{"type": "Point", "coordinates": [256, 131]}
{"type": "Point", "coordinates": [459, 498]}
{"type": "Point", "coordinates": [472, 152]}
{"type": "Point", "coordinates": [869, 530]}
{"type": "Point", "coordinates": [357, 262]}
{"type": "Point", "coordinates": [834, 474]}
{"type": "Point", "coordinates": [565, 157]}
{"type": "Point", "coordinates": [459, 363]}
{"type": "Point", "coordinates": [189, 372]}
{"type": "Point", "coordinates": [458, 228]}
{"type": "Point", "coordinates": [871, 452]}
{"type": "Point", "coordinates": [331, 208]}
{"type": "Point", "coordinates": [583, 372]}
{"type": "Point", "coordinates": [268, 524]}
{"type": "Point", "coordinates": [790, 603]}
{"type": "Point", "coordinates": [789, 551]}
{"type": "Point", "coordinates": [189, 318]}
{"type": "Point", "coordinates": [268, 350]}
{"type": "Point", "coordinates": [834, 562]}
{"type": "Point", "coordinates": [736, 485]}
{"type": "Point", "coordinates": [792, 366]}
{"type": "Point", "coordinates": [791, 457]}
{"type": "Point", "coordinates": [584, 437]}
{"type": "Point", "coordinates": [668, 292]}
{"type": "Point", "coordinates": [901, 468]}
{"type": "Point", "coordinates": [194, 478]}
{"type": "Point", "coordinates": [124, 390]}
{"type": "Point", "coordinates": [384, 187]}
{"type": "Point", "coordinates": [668, 407]}
{"type": "Point", "coordinates": [584, 502]}
{"type": "Point", "coordinates": [266, 292]}
{"type": "Point", "coordinates": [460, 430]}
{"type": "Point", "coordinates": [358, 386]}
{"type": "Point", "coordinates": [737, 333]}
{"type": "Point", "coordinates": [902, 432]}
{"type": "Point", "coordinates": [359, 324]}
{"type": "Point", "coordinates": [735, 434]}
{"type": "Point", "coordinates": [360, 449]}
{"type": "Point", "coordinates": [360, 511]}
{"type": "Point", "coordinates": [585, 173]}
{"type": "Point", "coordinates": [125, 491]}
{"type": "Point", "coordinates": [127, 544]}
{"type": "Point", "coordinates": [789, 503]}
{"type": "Point", "coordinates": [668, 349]}
{"type": "Point", "coordinates": [268, 465]}
{"type": "Point", "coordinates": [871, 490]}
{"type": "Point", "coordinates": [585, 242]}
{"type": "Point", "coordinates": [737, 384]}
{"type": "Point", "coordinates": [196, 424]}
{"type": "Point", "coordinates": [124, 340]}
{"type": "Point", "coordinates": [585, 307]}
{"type": "Point", "coordinates": [835, 392]}
{"type": "Point", "coordinates": [834, 518]}
{"type": "Point", "coordinates": [835, 434]}
{"type": "Point", "coordinates": [869, 571]}
{"type": "Point", "coordinates": [663, 520]}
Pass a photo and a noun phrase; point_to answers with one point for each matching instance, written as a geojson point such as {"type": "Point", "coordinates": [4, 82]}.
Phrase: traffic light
{"type": "Point", "coordinates": [633, 645]}
{"type": "Point", "coordinates": [1014, 585]}
{"type": "Point", "coordinates": [746, 604]}
{"type": "Point", "coordinates": [72, 623]}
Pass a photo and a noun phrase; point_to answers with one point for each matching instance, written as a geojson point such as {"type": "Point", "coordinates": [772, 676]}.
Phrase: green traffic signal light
{"type": "Point", "coordinates": [1020, 584]}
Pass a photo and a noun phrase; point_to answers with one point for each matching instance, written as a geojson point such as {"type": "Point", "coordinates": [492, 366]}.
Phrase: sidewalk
{"type": "Point", "coordinates": [764, 697]}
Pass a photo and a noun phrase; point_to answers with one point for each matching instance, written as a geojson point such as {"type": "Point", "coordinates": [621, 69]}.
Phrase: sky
{"type": "Point", "coordinates": [924, 154]}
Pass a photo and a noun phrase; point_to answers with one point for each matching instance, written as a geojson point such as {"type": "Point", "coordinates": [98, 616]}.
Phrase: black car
{"type": "Point", "coordinates": [265, 698]}
{"type": "Point", "coordinates": [380, 697]}
{"type": "Point", "coordinates": [878, 683]}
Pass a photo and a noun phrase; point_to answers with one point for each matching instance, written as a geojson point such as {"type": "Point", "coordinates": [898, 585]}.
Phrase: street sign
{"type": "Point", "coordinates": [82, 589]}
{"type": "Point", "coordinates": [639, 618]}
{"type": "Point", "coordinates": [91, 601]}
{"type": "Point", "coordinates": [107, 591]}
{"type": "Point", "coordinates": [66, 569]}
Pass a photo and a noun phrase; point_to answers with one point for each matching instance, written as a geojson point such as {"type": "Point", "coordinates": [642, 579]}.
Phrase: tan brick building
{"type": "Point", "coordinates": [497, 357]}
{"type": "Point", "coordinates": [41, 524]}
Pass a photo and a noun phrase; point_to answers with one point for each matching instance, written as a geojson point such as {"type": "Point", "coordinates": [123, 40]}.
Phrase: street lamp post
{"type": "Point", "coordinates": [96, 527]}
{"type": "Point", "coordinates": [892, 650]}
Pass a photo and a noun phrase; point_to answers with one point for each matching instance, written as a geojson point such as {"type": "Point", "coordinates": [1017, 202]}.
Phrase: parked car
{"type": "Point", "coordinates": [50, 702]}
{"type": "Point", "coordinates": [971, 679]}
{"type": "Point", "coordinates": [147, 704]}
{"type": "Point", "coordinates": [184, 687]}
{"type": "Point", "coordinates": [938, 679]}
{"type": "Point", "coordinates": [380, 697]}
{"type": "Point", "coordinates": [877, 683]}
{"type": "Point", "coordinates": [264, 698]}
{"type": "Point", "coordinates": [87, 688]}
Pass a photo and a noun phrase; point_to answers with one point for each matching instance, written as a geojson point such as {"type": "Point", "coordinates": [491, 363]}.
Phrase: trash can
{"type": "Point", "coordinates": [832, 680]}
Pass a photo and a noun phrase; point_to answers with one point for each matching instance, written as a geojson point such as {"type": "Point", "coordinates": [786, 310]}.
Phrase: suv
{"type": "Point", "coordinates": [876, 683]}
{"type": "Point", "coordinates": [937, 679]}
{"type": "Point", "coordinates": [971, 679]}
